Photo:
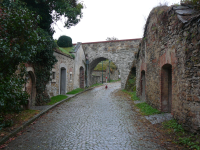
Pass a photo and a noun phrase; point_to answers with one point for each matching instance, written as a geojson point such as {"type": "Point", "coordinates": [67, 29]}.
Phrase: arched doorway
{"type": "Point", "coordinates": [81, 77]}
{"type": "Point", "coordinates": [30, 89]}
{"type": "Point", "coordinates": [143, 85]}
{"type": "Point", "coordinates": [63, 81]}
{"type": "Point", "coordinates": [166, 88]}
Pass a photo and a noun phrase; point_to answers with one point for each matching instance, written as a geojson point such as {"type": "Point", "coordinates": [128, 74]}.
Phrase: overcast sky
{"type": "Point", "coordinates": [123, 19]}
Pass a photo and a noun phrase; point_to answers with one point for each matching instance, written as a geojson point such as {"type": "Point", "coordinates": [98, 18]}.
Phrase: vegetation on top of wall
{"type": "Point", "coordinates": [105, 66]}
{"type": "Point", "coordinates": [67, 50]}
{"type": "Point", "coordinates": [64, 41]}
{"type": "Point", "coordinates": [194, 3]}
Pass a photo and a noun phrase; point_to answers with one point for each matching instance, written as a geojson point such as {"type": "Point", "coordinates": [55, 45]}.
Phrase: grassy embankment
{"type": "Point", "coordinates": [170, 128]}
{"type": "Point", "coordinates": [75, 91]}
{"type": "Point", "coordinates": [105, 66]}
{"type": "Point", "coordinates": [180, 136]}
{"type": "Point", "coordinates": [145, 109]}
{"type": "Point", "coordinates": [56, 99]}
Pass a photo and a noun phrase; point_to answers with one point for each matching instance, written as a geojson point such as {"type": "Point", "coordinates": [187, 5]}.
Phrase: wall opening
{"type": "Point", "coordinates": [166, 88]}
{"type": "Point", "coordinates": [143, 86]}
{"type": "Point", "coordinates": [81, 77]}
{"type": "Point", "coordinates": [131, 81]}
{"type": "Point", "coordinates": [63, 81]}
{"type": "Point", "coordinates": [30, 89]}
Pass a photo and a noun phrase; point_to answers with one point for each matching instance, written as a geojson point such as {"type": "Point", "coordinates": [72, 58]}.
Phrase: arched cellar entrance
{"type": "Point", "coordinates": [143, 85]}
{"type": "Point", "coordinates": [81, 77]}
{"type": "Point", "coordinates": [30, 89]}
{"type": "Point", "coordinates": [63, 81]}
{"type": "Point", "coordinates": [166, 88]}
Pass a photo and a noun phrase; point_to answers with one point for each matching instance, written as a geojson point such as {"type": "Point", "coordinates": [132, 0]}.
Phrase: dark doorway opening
{"type": "Point", "coordinates": [131, 81]}
{"type": "Point", "coordinates": [143, 85]}
{"type": "Point", "coordinates": [81, 76]}
{"type": "Point", "coordinates": [166, 88]}
{"type": "Point", "coordinates": [63, 81]}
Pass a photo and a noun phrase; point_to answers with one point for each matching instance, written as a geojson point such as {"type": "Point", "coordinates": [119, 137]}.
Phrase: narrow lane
{"type": "Point", "coordinates": [94, 120]}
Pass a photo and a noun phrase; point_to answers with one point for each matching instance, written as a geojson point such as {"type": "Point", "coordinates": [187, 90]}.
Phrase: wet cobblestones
{"type": "Point", "coordinates": [94, 120]}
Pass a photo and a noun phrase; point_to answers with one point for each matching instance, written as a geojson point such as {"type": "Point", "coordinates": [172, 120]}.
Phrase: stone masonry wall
{"type": "Point", "coordinates": [122, 53]}
{"type": "Point", "coordinates": [53, 88]}
{"type": "Point", "coordinates": [172, 39]}
{"type": "Point", "coordinates": [78, 62]}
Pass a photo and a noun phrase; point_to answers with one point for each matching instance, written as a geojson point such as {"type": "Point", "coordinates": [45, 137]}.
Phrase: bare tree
{"type": "Point", "coordinates": [111, 38]}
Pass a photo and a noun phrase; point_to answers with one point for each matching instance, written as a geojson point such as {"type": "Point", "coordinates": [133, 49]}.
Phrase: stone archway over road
{"type": "Point", "coordinates": [121, 52]}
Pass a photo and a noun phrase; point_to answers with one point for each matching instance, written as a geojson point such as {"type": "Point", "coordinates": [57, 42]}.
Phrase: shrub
{"type": "Point", "coordinates": [64, 41]}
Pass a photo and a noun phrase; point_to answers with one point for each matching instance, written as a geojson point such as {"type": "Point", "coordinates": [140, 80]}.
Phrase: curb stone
{"type": "Point", "coordinates": [13, 133]}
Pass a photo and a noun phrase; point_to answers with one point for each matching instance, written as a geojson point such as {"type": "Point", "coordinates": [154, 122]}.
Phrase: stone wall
{"type": "Point", "coordinates": [97, 76]}
{"type": "Point", "coordinates": [30, 86]}
{"type": "Point", "coordinates": [66, 63]}
{"type": "Point", "coordinates": [95, 79]}
{"type": "Point", "coordinates": [120, 52]}
{"type": "Point", "coordinates": [78, 63]}
{"type": "Point", "coordinates": [168, 64]}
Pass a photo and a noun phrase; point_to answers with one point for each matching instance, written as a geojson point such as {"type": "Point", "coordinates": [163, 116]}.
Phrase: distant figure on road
{"type": "Point", "coordinates": [106, 87]}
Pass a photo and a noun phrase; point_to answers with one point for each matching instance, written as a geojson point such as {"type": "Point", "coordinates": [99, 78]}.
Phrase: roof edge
{"type": "Point", "coordinates": [110, 41]}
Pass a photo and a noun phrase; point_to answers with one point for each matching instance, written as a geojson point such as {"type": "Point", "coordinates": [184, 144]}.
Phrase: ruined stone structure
{"type": "Point", "coordinates": [120, 52]}
{"type": "Point", "coordinates": [168, 64]}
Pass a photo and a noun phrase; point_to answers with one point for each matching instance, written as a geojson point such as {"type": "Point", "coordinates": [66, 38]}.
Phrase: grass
{"type": "Point", "coordinates": [114, 80]}
{"type": "Point", "coordinates": [15, 120]}
{"type": "Point", "coordinates": [66, 50]}
{"type": "Point", "coordinates": [147, 109]}
{"type": "Point", "coordinates": [75, 91]}
{"type": "Point", "coordinates": [105, 65]}
{"type": "Point", "coordinates": [56, 99]}
{"type": "Point", "coordinates": [97, 84]}
{"type": "Point", "coordinates": [132, 94]}
{"type": "Point", "coordinates": [180, 136]}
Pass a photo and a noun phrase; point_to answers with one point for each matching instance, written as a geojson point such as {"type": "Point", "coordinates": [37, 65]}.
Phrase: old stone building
{"type": "Point", "coordinates": [68, 73]}
{"type": "Point", "coordinates": [62, 75]}
{"type": "Point", "coordinates": [168, 64]}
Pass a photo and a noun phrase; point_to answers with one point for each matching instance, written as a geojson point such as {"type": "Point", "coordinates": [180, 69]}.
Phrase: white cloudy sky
{"type": "Point", "coordinates": [123, 19]}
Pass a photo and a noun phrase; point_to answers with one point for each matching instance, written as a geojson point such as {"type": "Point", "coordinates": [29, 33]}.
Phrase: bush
{"type": "Point", "coordinates": [64, 41]}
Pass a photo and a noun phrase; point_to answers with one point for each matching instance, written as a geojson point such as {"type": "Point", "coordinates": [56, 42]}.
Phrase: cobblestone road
{"type": "Point", "coordinates": [94, 120]}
